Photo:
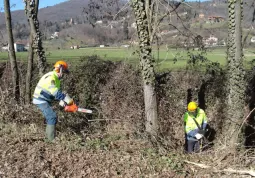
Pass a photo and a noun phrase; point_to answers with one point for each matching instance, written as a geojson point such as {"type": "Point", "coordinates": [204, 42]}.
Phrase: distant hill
{"type": "Point", "coordinates": [73, 8]}
{"type": "Point", "coordinates": [78, 30]}
{"type": "Point", "coordinates": [57, 13]}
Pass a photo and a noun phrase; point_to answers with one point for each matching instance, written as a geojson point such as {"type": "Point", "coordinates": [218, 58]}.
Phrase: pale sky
{"type": "Point", "coordinates": [19, 4]}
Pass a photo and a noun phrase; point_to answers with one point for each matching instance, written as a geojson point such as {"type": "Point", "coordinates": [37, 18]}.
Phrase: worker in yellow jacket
{"type": "Point", "coordinates": [47, 90]}
{"type": "Point", "coordinates": [195, 122]}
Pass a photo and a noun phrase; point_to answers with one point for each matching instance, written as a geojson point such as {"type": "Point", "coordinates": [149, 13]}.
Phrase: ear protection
{"type": "Point", "coordinates": [61, 70]}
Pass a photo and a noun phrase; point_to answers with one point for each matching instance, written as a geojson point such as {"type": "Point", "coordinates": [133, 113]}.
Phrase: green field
{"type": "Point", "coordinates": [164, 58]}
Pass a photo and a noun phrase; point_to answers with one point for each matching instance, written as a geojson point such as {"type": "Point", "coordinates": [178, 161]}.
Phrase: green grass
{"type": "Point", "coordinates": [164, 58]}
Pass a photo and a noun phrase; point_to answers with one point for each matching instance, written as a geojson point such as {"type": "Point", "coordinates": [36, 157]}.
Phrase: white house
{"type": "Point", "coordinates": [5, 48]}
{"type": "Point", "coordinates": [55, 35]}
{"type": "Point", "coordinates": [125, 46]}
{"type": "Point", "coordinates": [133, 25]}
{"type": "Point", "coordinates": [253, 39]}
{"type": "Point", "coordinates": [99, 22]}
{"type": "Point", "coordinates": [211, 41]}
{"type": "Point", "coordinates": [18, 47]}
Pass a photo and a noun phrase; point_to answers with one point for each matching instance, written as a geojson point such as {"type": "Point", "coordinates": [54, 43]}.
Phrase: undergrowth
{"type": "Point", "coordinates": [113, 139]}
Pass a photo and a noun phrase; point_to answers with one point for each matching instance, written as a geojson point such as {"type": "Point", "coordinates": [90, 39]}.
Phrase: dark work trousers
{"type": "Point", "coordinates": [193, 146]}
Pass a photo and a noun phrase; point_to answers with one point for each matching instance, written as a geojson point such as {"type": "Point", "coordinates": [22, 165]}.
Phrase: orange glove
{"type": "Point", "coordinates": [71, 108]}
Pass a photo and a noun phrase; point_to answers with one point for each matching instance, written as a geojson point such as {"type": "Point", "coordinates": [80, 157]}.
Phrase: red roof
{"type": "Point", "coordinates": [19, 43]}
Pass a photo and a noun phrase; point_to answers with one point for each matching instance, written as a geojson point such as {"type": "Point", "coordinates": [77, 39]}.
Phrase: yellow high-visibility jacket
{"type": "Point", "coordinates": [191, 128]}
{"type": "Point", "coordinates": [48, 88]}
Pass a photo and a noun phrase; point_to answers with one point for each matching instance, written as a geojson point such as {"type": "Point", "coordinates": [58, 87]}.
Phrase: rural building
{"type": "Point", "coordinates": [133, 25]}
{"type": "Point", "coordinates": [253, 39]}
{"type": "Point", "coordinates": [55, 35]}
{"type": "Point", "coordinates": [211, 41]}
{"type": "Point", "coordinates": [164, 32]}
{"type": "Point", "coordinates": [75, 47]}
{"type": "Point", "coordinates": [133, 42]}
{"type": "Point", "coordinates": [99, 22]}
{"type": "Point", "coordinates": [215, 19]}
{"type": "Point", "coordinates": [201, 15]}
{"type": "Point", "coordinates": [5, 48]}
{"type": "Point", "coordinates": [19, 47]}
{"type": "Point", "coordinates": [125, 46]}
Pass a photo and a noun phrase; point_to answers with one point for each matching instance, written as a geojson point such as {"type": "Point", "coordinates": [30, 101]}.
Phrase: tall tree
{"type": "Point", "coordinates": [148, 15]}
{"type": "Point", "coordinates": [30, 60]}
{"type": "Point", "coordinates": [236, 85]}
{"type": "Point", "coordinates": [31, 12]}
{"type": "Point", "coordinates": [125, 30]}
{"type": "Point", "coordinates": [12, 55]}
{"type": "Point", "coordinates": [147, 67]}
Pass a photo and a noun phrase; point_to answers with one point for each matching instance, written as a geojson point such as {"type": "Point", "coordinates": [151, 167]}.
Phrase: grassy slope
{"type": "Point", "coordinates": [164, 61]}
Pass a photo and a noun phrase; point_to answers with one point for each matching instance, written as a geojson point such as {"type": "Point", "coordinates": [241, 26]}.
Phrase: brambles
{"type": "Point", "coordinates": [116, 143]}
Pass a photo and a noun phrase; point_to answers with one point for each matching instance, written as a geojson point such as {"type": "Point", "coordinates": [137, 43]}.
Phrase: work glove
{"type": "Point", "coordinates": [66, 101]}
{"type": "Point", "coordinates": [198, 136]}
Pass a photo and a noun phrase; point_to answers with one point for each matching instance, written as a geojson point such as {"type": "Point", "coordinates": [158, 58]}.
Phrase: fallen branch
{"type": "Point", "coordinates": [198, 164]}
{"type": "Point", "coordinates": [245, 119]}
{"type": "Point", "coordinates": [229, 170]}
{"type": "Point", "coordinates": [105, 120]}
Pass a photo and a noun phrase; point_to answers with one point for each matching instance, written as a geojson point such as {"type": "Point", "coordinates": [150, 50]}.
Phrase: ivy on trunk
{"type": "Point", "coordinates": [147, 67]}
{"type": "Point", "coordinates": [235, 83]}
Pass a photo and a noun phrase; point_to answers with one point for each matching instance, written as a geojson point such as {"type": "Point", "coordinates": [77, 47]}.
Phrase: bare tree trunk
{"type": "Point", "coordinates": [31, 12]}
{"type": "Point", "coordinates": [29, 70]}
{"type": "Point", "coordinates": [236, 85]}
{"type": "Point", "coordinates": [147, 66]}
{"type": "Point", "coordinates": [12, 55]}
{"type": "Point", "coordinates": [30, 61]}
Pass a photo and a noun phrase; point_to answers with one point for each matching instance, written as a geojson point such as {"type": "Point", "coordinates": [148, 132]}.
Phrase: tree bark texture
{"type": "Point", "coordinates": [12, 55]}
{"type": "Point", "coordinates": [147, 66]}
{"type": "Point", "coordinates": [235, 84]}
{"type": "Point", "coordinates": [31, 12]}
{"type": "Point", "coordinates": [29, 70]}
{"type": "Point", "coordinates": [30, 61]}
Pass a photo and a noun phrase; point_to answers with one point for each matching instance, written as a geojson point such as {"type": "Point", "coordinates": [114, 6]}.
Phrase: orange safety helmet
{"type": "Point", "coordinates": [192, 106]}
{"type": "Point", "coordinates": [60, 64]}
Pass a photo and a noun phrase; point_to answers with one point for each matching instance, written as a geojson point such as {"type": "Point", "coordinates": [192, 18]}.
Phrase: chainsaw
{"type": "Point", "coordinates": [75, 108]}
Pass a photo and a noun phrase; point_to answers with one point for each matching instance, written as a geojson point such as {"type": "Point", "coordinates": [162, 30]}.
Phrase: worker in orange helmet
{"type": "Point", "coordinates": [47, 90]}
{"type": "Point", "coordinates": [195, 122]}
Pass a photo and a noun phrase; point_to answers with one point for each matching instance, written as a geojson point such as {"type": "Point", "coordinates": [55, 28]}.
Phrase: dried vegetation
{"type": "Point", "coordinates": [112, 142]}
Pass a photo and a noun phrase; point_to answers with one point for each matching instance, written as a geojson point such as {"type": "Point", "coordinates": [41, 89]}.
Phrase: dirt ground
{"type": "Point", "coordinates": [115, 148]}
{"type": "Point", "coordinates": [24, 153]}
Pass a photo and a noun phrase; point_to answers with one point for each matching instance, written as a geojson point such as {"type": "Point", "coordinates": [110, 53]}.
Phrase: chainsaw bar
{"type": "Point", "coordinates": [84, 110]}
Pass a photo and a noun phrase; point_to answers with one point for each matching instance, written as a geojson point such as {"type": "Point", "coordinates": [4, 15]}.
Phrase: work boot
{"type": "Point", "coordinates": [50, 132]}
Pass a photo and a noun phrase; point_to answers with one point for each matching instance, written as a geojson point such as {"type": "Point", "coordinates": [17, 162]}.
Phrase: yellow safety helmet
{"type": "Point", "coordinates": [192, 106]}
{"type": "Point", "coordinates": [61, 65]}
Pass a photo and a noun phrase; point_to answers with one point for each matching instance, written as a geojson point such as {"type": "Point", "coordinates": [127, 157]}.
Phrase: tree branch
{"type": "Point", "coordinates": [229, 170]}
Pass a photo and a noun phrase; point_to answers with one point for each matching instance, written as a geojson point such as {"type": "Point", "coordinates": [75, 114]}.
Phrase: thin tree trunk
{"type": "Point", "coordinates": [29, 70]}
{"type": "Point", "coordinates": [236, 85]}
{"type": "Point", "coordinates": [31, 12]}
{"type": "Point", "coordinates": [147, 67]}
{"type": "Point", "coordinates": [30, 60]}
{"type": "Point", "coordinates": [12, 55]}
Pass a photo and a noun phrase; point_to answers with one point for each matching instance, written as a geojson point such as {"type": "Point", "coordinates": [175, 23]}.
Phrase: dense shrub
{"type": "Point", "coordinates": [114, 91]}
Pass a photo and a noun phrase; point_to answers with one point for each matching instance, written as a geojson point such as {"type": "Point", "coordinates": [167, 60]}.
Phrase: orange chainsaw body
{"type": "Point", "coordinates": [71, 108]}
{"type": "Point", "coordinates": [74, 108]}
